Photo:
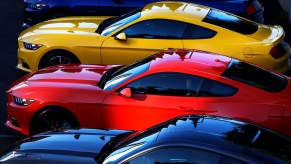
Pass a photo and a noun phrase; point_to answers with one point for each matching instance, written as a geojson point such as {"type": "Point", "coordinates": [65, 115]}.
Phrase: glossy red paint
{"type": "Point", "coordinates": [74, 88]}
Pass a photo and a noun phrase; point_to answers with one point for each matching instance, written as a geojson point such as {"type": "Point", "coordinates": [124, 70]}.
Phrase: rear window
{"type": "Point", "coordinates": [255, 76]}
{"type": "Point", "coordinates": [230, 22]}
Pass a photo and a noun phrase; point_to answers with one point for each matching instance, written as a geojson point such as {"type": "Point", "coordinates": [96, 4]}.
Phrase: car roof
{"type": "Point", "coordinates": [203, 129]}
{"type": "Point", "coordinates": [178, 9]}
{"type": "Point", "coordinates": [192, 60]}
{"type": "Point", "coordinates": [225, 134]}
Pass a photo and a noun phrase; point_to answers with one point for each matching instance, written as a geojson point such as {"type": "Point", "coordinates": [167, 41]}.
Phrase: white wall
{"type": "Point", "coordinates": [286, 5]}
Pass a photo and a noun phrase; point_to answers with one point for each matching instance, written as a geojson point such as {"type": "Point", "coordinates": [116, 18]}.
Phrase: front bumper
{"type": "Point", "coordinates": [28, 60]}
{"type": "Point", "coordinates": [23, 66]}
{"type": "Point", "coordinates": [19, 117]}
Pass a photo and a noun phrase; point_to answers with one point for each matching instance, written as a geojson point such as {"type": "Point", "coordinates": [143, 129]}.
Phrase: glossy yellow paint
{"type": "Point", "coordinates": [77, 35]}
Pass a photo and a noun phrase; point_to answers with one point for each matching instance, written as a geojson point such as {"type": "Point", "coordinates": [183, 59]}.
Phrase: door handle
{"type": "Point", "coordinates": [184, 108]}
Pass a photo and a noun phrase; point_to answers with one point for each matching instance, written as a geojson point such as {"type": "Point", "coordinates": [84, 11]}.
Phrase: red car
{"type": "Point", "coordinates": [155, 89]}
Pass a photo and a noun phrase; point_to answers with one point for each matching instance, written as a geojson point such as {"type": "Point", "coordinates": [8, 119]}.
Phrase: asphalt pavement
{"type": "Point", "coordinates": [11, 16]}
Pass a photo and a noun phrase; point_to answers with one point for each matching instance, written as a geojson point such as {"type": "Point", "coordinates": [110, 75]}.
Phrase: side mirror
{"type": "Point", "coordinates": [121, 37]}
{"type": "Point", "coordinates": [126, 92]}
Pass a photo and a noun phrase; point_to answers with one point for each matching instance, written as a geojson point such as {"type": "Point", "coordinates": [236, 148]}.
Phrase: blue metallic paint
{"type": "Point", "coordinates": [118, 7]}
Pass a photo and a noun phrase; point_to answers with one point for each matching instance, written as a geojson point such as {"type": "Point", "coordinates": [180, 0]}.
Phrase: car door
{"type": "Point", "coordinates": [218, 98]}
{"type": "Point", "coordinates": [155, 98]}
{"type": "Point", "coordinates": [144, 38]}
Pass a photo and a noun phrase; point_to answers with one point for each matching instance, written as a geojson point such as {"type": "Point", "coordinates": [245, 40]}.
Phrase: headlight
{"type": "Point", "coordinates": [31, 46]}
{"type": "Point", "coordinates": [36, 6]}
{"type": "Point", "coordinates": [22, 101]}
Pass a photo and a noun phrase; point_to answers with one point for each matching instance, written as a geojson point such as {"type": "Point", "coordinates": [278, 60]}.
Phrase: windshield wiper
{"type": "Point", "coordinates": [107, 75]}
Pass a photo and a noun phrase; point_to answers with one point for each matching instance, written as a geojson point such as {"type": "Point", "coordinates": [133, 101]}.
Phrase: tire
{"type": "Point", "coordinates": [56, 58]}
{"type": "Point", "coordinates": [52, 119]}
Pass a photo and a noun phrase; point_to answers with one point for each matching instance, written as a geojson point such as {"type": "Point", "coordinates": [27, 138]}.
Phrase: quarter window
{"type": "Point", "coordinates": [198, 32]}
{"type": "Point", "coordinates": [211, 88]}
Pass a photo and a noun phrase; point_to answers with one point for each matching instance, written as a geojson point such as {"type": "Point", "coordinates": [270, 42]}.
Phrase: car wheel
{"type": "Point", "coordinates": [52, 119]}
{"type": "Point", "coordinates": [58, 57]}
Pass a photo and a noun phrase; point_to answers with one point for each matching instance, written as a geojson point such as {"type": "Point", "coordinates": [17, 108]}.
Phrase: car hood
{"type": "Point", "coordinates": [63, 76]}
{"type": "Point", "coordinates": [63, 146]}
{"type": "Point", "coordinates": [67, 25]}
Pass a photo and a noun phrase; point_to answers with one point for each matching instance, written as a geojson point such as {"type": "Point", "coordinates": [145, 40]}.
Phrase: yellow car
{"type": "Point", "coordinates": [140, 33]}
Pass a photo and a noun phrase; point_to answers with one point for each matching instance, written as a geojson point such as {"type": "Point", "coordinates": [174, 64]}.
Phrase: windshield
{"type": "Point", "coordinates": [111, 24]}
{"type": "Point", "coordinates": [110, 145]}
{"type": "Point", "coordinates": [136, 142]}
{"type": "Point", "coordinates": [255, 76]}
{"type": "Point", "coordinates": [126, 73]}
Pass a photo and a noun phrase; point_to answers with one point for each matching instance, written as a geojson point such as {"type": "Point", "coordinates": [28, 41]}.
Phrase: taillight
{"type": "Point", "coordinates": [279, 50]}
{"type": "Point", "coordinates": [250, 10]}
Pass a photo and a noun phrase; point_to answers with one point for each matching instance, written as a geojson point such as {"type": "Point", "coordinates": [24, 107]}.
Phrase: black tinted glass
{"type": "Point", "coordinates": [156, 29]}
{"type": "Point", "coordinates": [168, 84]}
{"type": "Point", "coordinates": [177, 155]}
{"type": "Point", "coordinates": [270, 147]}
{"type": "Point", "coordinates": [111, 24]}
{"type": "Point", "coordinates": [230, 22]}
{"type": "Point", "coordinates": [255, 76]}
{"type": "Point", "coordinates": [197, 32]}
{"type": "Point", "coordinates": [127, 72]}
{"type": "Point", "coordinates": [212, 88]}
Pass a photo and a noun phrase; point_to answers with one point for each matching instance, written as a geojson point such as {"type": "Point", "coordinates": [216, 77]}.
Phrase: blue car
{"type": "Point", "coordinates": [183, 140]}
{"type": "Point", "coordinates": [40, 10]}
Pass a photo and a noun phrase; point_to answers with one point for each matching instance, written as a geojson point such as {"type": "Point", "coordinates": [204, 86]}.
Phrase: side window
{"type": "Point", "coordinates": [155, 29]}
{"type": "Point", "coordinates": [176, 155]}
{"type": "Point", "coordinates": [197, 32]}
{"type": "Point", "coordinates": [168, 84]}
{"type": "Point", "coordinates": [212, 88]}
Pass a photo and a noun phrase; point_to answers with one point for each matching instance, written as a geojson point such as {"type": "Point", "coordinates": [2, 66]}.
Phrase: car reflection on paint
{"type": "Point", "coordinates": [185, 139]}
{"type": "Point", "coordinates": [155, 89]}
{"type": "Point", "coordinates": [143, 32]}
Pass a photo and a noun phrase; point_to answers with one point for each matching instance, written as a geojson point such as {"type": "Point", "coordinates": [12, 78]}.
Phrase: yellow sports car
{"type": "Point", "coordinates": [140, 33]}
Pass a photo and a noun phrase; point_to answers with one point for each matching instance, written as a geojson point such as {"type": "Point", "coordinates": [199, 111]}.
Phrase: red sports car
{"type": "Point", "coordinates": [155, 89]}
